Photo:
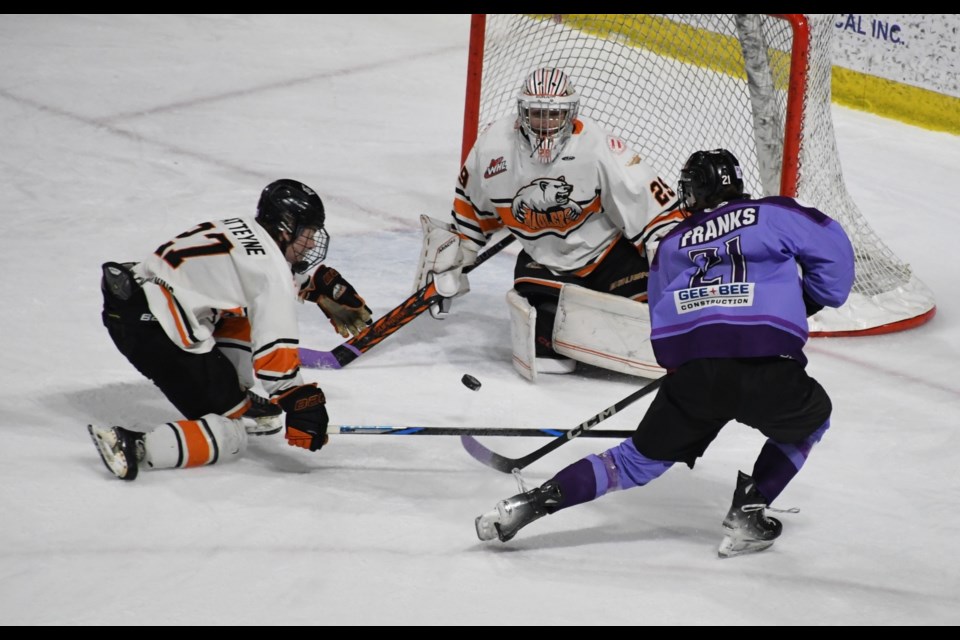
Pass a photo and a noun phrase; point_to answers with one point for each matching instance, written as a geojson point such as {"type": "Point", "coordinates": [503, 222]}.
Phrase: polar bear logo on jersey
{"type": "Point", "coordinates": [545, 202]}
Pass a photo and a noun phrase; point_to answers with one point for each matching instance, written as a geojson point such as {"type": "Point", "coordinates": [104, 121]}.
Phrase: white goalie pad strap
{"type": "Point", "coordinates": [523, 323]}
{"type": "Point", "coordinates": [605, 331]}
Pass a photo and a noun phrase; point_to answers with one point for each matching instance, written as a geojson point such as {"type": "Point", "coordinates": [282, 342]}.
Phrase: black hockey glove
{"type": "Point", "coordinates": [339, 301]}
{"type": "Point", "coordinates": [306, 417]}
{"type": "Point", "coordinates": [811, 306]}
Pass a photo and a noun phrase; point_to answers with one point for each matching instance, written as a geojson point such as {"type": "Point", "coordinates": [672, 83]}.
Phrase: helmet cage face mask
{"type": "Point", "coordinates": [309, 248]}
{"type": "Point", "coordinates": [546, 109]}
{"type": "Point", "coordinates": [547, 123]}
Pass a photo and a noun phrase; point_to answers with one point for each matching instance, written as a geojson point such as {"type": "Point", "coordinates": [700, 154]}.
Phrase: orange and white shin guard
{"type": "Point", "coordinates": [193, 443]}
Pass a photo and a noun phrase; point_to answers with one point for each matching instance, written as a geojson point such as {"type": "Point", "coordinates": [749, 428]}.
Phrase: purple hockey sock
{"type": "Point", "coordinates": [577, 484]}
{"type": "Point", "coordinates": [778, 463]}
{"type": "Point", "coordinates": [621, 467]}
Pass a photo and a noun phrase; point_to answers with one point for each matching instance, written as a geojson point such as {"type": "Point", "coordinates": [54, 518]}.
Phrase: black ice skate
{"type": "Point", "coordinates": [120, 449]}
{"type": "Point", "coordinates": [263, 417]}
{"type": "Point", "coordinates": [747, 529]}
{"type": "Point", "coordinates": [514, 513]}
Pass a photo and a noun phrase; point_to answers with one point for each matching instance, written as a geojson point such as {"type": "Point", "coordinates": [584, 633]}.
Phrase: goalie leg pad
{"type": "Point", "coordinates": [523, 323]}
{"type": "Point", "coordinates": [523, 338]}
{"type": "Point", "coordinates": [605, 331]}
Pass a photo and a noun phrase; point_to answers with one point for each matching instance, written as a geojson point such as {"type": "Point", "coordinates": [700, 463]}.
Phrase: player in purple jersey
{"type": "Point", "coordinates": [731, 287]}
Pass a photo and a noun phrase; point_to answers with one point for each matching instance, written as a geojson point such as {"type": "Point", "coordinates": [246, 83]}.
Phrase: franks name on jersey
{"type": "Point", "coordinates": [720, 226]}
{"type": "Point", "coordinates": [245, 236]}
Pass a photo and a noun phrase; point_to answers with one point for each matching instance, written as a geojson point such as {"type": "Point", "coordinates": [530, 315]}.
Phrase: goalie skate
{"type": "Point", "coordinates": [120, 449]}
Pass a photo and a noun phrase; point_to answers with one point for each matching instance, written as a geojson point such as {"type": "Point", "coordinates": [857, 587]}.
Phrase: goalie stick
{"type": "Point", "coordinates": [390, 323]}
{"type": "Point", "coordinates": [507, 465]}
{"type": "Point", "coordinates": [392, 430]}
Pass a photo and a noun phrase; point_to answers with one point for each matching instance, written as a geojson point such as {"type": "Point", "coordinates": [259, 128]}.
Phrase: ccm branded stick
{"type": "Point", "coordinates": [392, 430]}
{"type": "Point", "coordinates": [390, 323]}
{"type": "Point", "coordinates": [508, 465]}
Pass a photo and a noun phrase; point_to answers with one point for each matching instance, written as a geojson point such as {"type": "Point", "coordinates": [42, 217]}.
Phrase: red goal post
{"type": "Point", "coordinates": [757, 84]}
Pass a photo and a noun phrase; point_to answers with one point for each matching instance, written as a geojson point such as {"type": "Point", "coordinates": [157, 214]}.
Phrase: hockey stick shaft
{"type": "Point", "coordinates": [501, 463]}
{"type": "Point", "coordinates": [392, 430]}
{"type": "Point", "coordinates": [389, 323]}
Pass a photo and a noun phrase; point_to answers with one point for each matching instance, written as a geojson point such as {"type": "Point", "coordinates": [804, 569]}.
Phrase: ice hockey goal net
{"type": "Point", "coordinates": [757, 84]}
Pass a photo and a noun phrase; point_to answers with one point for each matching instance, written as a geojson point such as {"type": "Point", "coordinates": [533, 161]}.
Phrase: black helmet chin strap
{"type": "Point", "coordinates": [283, 244]}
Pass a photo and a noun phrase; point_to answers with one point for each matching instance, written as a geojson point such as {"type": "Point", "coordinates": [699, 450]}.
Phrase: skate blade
{"type": "Point", "coordinates": [731, 547]}
{"type": "Point", "coordinates": [486, 526]}
{"type": "Point", "coordinates": [265, 426]}
{"type": "Point", "coordinates": [107, 446]}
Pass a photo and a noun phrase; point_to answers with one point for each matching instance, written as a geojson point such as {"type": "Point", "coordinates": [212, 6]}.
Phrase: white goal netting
{"type": "Point", "coordinates": [756, 84]}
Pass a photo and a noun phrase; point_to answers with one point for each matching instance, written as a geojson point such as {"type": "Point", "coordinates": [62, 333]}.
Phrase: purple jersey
{"type": "Point", "coordinates": [725, 283]}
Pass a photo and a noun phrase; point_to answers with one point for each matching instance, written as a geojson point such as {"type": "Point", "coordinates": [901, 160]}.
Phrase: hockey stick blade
{"type": "Point", "coordinates": [391, 322]}
{"type": "Point", "coordinates": [393, 430]}
{"type": "Point", "coordinates": [501, 463]}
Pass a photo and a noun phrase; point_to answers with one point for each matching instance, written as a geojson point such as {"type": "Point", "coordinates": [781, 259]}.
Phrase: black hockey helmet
{"type": "Point", "coordinates": [291, 206]}
{"type": "Point", "coordinates": [709, 178]}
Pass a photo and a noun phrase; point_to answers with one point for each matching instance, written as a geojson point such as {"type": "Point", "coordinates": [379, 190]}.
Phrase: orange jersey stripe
{"type": "Point", "coordinates": [562, 220]}
{"type": "Point", "coordinates": [279, 361]}
{"type": "Point", "coordinates": [464, 209]}
{"type": "Point", "coordinates": [487, 224]}
{"type": "Point", "coordinates": [233, 328]}
{"type": "Point", "coordinates": [177, 320]}
{"type": "Point", "coordinates": [674, 214]}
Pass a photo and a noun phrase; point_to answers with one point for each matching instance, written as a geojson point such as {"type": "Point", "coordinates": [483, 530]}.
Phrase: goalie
{"type": "Point", "coordinates": [578, 199]}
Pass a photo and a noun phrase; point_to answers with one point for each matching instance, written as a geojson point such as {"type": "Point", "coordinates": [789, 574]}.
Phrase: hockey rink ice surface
{"type": "Point", "coordinates": [117, 132]}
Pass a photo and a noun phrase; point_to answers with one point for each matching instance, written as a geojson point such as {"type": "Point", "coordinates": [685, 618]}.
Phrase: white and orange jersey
{"type": "Point", "coordinates": [567, 213]}
{"type": "Point", "coordinates": [227, 269]}
{"type": "Point", "coordinates": [659, 227]}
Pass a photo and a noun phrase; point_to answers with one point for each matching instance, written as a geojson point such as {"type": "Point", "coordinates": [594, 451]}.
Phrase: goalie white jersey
{"type": "Point", "coordinates": [227, 273]}
{"type": "Point", "coordinates": [567, 213]}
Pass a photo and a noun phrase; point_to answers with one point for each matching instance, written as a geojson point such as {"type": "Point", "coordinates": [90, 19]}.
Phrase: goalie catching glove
{"type": "Point", "coordinates": [339, 301]}
{"type": "Point", "coordinates": [443, 257]}
{"type": "Point", "coordinates": [307, 419]}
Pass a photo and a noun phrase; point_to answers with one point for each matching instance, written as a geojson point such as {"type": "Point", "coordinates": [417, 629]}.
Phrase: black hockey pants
{"type": "Point", "coordinates": [196, 384]}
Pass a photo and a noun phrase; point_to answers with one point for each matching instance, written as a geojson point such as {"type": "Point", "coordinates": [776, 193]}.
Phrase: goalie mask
{"type": "Point", "coordinates": [293, 214]}
{"type": "Point", "coordinates": [547, 106]}
{"type": "Point", "coordinates": [709, 178]}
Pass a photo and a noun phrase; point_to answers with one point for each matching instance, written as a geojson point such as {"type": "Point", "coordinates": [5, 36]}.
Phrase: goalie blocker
{"type": "Point", "coordinates": [595, 328]}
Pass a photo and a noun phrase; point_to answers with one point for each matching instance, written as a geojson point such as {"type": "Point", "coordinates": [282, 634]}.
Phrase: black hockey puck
{"type": "Point", "coordinates": [470, 382]}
